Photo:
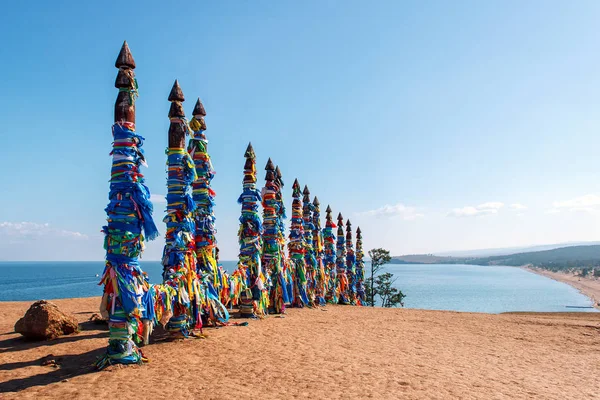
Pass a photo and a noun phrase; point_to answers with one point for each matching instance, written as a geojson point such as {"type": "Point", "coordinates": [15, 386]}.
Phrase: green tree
{"type": "Point", "coordinates": [369, 292]}
{"type": "Point", "coordinates": [379, 257]}
{"type": "Point", "coordinates": [388, 294]}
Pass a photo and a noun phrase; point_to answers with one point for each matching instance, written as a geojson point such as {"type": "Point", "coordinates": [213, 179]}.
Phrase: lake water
{"type": "Point", "coordinates": [483, 289]}
{"type": "Point", "coordinates": [433, 287]}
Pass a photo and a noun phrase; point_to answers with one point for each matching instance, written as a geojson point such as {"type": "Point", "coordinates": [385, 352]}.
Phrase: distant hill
{"type": "Point", "coordinates": [562, 258]}
{"type": "Point", "coordinates": [511, 250]}
{"type": "Point", "coordinates": [422, 259]}
{"type": "Point", "coordinates": [555, 259]}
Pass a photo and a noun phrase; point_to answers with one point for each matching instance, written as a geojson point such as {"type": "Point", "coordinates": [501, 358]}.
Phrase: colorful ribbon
{"type": "Point", "coordinates": [309, 255]}
{"type": "Point", "coordinates": [253, 295]}
{"type": "Point", "coordinates": [179, 259]}
{"type": "Point", "coordinates": [319, 275]}
{"type": "Point", "coordinates": [350, 261]}
{"type": "Point", "coordinates": [331, 291]}
{"type": "Point", "coordinates": [340, 263]}
{"type": "Point", "coordinates": [129, 217]}
{"type": "Point", "coordinates": [213, 279]}
{"type": "Point", "coordinates": [297, 250]}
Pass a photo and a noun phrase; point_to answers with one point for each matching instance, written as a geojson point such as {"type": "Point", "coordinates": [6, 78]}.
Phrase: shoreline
{"type": "Point", "coordinates": [586, 286]}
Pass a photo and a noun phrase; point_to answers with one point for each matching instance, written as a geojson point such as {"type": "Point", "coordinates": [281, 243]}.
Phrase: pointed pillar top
{"type": "Point", "coordinates": [177, 129]}
{"type": "Point", "coordinates": [328, 209]}
{"type": "Point", "coordinates": [176, 93]}
{"type": "Point", "coordinates": [316, 201]}
{"type": "Point", "coordinates": [125, 59]}
{"type": "Point", "coordinates": [306, 197]}
{"type": "Point", "coordinates": [279, 176]}
{"type": "Point", "coordinates": [270, 166]}
{"type": "Point", "coordinates": [249, 151]}
{"type": "Point", "coordinates": [199, 109]}
{"type": "Point", "coordinates": [127, 85]}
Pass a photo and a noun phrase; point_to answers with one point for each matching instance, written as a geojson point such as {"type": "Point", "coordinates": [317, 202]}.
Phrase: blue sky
{"type": "Point", "coordinates": [433, 125]}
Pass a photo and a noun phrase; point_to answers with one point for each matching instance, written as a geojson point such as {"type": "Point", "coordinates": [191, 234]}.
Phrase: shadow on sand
{"type": "Point", "coordinates": [20, 343]}
{"type": "Point", "coordinates": [67, 366]}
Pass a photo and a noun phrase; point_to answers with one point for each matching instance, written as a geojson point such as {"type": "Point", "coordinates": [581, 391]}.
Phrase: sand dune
{"type": "Point", "coordinates": [336, 353]}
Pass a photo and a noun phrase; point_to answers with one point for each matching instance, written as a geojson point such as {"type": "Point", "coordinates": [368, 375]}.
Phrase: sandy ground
{"type": "Point", "coordinates": [587, 286]}
{"type": "Point", "coordinates": [333, 353]}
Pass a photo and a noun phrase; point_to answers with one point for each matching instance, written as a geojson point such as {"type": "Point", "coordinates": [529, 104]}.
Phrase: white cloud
{"type": "Point", "coordinates": [158, 198]}
{"type": "Point", "coordinates": [396, 211]}
{"type": "Point", "coordinates": [34, 241]}
{"type": "Point", "coordinates": [470, 211]}
{"type": "Point", "coordinates": [488, 208]}
{"type": "Point", "coordinates": [589, 203]}
{"type": "Point", "coordinates": [552, 211]}
{"type": "Point", "coordinates": [491, 205]}
{"type": "Point", "coordinates": [518, 206]}
{"type": "Point", "coordinates": [34, 229]}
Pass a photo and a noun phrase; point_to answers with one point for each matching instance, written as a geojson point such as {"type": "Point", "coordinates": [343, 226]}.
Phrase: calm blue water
{"type": "Point", "coordinates": [433, 287]}
{"type": "Point", "coordinates": [56, 280]}
{"type": "Point", "coordinates": [483, 289]}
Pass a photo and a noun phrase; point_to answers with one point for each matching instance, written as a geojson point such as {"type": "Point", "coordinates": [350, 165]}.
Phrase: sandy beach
{"type": "Point", "coordinates": [587, 286]}
{"type": "Point", "coordinates": [335, 352]}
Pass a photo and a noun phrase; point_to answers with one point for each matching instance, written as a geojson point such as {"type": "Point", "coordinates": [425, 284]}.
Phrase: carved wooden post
{"type": "Point", "coordinates": [272, 256]}
{"type": "Point", "coordinates": [329, 258]}
{"type": "Point", "coordinates": [253, 299]}
{"type": "Point", "coordinates": [178, 127]}
{"type": "Point", "coordinates": [320, 279]}
{"type": "Point", "coordinates": [287, 270]}
{"type": "Point", "coordinates": [127, 85]}
{"type": "Point", "coordinates": [126, 301]}
{"type": "Point", "coordinates": [179, 261]}
{"type": "Point", "coordinates": [204, 219]}
{"type": "Point", "coordinates": [350, 261]}
{"type": "Point", "coordinates": [269, 231]}
{"type": "Point", "coordinates": [342, 277]}
{"type": "Point", "coordinates": [296, 249]}
{"type": "Point", "coordinates": [309, 255]}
